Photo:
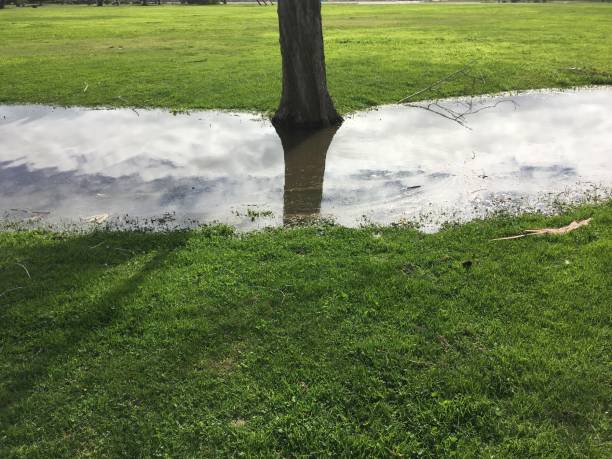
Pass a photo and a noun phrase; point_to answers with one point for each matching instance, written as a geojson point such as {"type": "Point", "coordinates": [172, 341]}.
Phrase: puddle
{"type": "Point", "coordinates": [66, 168]}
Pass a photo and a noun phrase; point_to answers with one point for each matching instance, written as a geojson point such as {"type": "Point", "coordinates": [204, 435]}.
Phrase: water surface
{"type": "Point", "coordinates": [60, 167]}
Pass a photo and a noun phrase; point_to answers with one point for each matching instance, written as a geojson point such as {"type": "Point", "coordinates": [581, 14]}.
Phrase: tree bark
{"type": "Point", "coordinates": [305, 154]}
{"type": "Point", "coordinates": [305, 101]}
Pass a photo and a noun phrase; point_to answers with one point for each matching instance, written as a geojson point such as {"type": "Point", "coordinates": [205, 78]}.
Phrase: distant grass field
{"type": "Point", "coordinates": [312, 342]}
{"type": "Point", "coordinates": [228, 56]}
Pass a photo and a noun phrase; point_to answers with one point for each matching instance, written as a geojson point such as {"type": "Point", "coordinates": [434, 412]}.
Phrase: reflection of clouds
{"type": "Point", "coordinates": [70, 194]}
{"type": "Point", "coordinates": [80, 162]}
{"type": "Point", "coordinates": [552, 172]}
{"type": "Point", "coordinates": [388, 163]}
{"type": "Point", "coordinates": [121, 142]}
{"type": "Point", "coordinates": [545, 144]}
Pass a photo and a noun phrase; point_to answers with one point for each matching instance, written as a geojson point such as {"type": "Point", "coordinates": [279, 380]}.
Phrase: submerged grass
{"type": "Point", "coordinates": [228, 56]}
{"type": "Point", "coordinates": [308, 342]}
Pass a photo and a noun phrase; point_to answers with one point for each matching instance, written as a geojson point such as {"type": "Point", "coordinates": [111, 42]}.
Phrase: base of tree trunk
{"type": "Point", "coordinates": [305, 101]}
{"type": "Point", "coordinates": [288, 122]}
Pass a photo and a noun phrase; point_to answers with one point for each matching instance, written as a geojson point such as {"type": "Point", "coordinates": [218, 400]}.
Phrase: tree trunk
{"type": "Point", "coordinates": [1, 4]}
{"type": "Point", "coordinates": [305, 100]}
{"type": "Point", "coordinates": [305, 154]}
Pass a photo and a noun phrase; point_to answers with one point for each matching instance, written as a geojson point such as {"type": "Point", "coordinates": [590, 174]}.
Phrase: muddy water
{"type": "Point", "coordinates": [455, 160]}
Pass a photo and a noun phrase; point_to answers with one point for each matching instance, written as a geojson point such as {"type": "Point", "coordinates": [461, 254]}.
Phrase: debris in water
{"type": "Point", "coordinates": [96, 219]}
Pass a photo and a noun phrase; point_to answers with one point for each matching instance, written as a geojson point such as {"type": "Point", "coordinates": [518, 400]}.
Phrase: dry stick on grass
{"type": "Point", "coordinates": [25, 269]}
{"type": "Point", "coordinates": [19, 287]}
{"type": "Point", "coordinates": [10, 290]}
{"type": "Point", "coordinates": [542, 231]}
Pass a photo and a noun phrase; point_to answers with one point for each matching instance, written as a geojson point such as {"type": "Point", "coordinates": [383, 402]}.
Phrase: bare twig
{"type": "Point", "coordinates": [456, 119]}
{"type": "Point", "coordinates": [542, 231]}
{"type": "Point", "coordinates": [272, 289]}
{"type": "Point", "coordinates": [459, 110]}
{"type": "Point", "coordinates": [25, 269]}
{"type": "Point", "coordinates": [519, 236]}
{"type": "Point", "coordinates": [487, 107]}
{"type": "Point", "coordinates": [10, 290]}
{"type": "Point", "coordinates": [439, 82]}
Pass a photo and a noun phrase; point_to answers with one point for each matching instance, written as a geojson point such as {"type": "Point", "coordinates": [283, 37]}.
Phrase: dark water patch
{"type": "Point", "coordinates": [70, 168]}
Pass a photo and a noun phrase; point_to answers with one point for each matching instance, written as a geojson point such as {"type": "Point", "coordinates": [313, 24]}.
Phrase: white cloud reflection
{"type": "Point", "coordinates": [387, 164]}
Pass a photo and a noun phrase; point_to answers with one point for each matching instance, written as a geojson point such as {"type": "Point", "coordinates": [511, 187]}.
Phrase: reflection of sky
{"type": "Point", "coordinates": [543, 144]}
{"type": "Point", "coordinates": [387, 164]}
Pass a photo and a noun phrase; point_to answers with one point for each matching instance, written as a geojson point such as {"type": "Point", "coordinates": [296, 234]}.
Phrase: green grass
{"type": "Point", "coordinates": [228, 56]}
{"type": "Point", "coordinates": [314, 341]}
{"type": "Point", "coordinates": [308, 342]}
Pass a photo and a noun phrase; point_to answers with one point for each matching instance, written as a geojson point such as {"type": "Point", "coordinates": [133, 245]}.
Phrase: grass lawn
{"type": "Point", "coordinates": [228, 56]}
{"type": "Point", "coordinates": [309, 342]}
{"type": "Point", "coordinates": [314, 341]}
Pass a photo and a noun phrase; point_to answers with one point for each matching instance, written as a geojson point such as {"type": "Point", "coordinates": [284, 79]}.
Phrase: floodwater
{"type": "Point", "coordinates": [428, 164]}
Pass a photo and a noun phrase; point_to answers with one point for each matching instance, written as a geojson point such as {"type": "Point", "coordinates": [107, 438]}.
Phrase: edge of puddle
{"type": "Point", "coordinates": [263, 116]}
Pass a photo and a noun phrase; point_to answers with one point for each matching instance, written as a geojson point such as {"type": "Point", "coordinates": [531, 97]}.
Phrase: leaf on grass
{"type": "Point", "coordinates": [542, 231]}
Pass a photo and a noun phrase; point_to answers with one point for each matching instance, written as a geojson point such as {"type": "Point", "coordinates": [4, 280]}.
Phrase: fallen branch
{"type": "Point", "coordinates": [458, 117]}
{"type": "Point", "coordinates": [459, 110]}
{"type": "Point", "coordinates": [439, 82]}
{"type": "Point", "coordinates": [543, 231]}
{"type": "Point", "coordinates": [25, 269]}
{"type": "Point", "coordinates": [10, 290]}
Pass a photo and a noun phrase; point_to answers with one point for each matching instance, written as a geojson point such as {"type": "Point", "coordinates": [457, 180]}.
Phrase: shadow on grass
{"type": "Point", "coordinates": [142, 344]}
{"type": "Point", "coordinates": [44, 312]}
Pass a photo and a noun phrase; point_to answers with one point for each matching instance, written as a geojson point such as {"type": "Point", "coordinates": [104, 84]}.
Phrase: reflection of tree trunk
{"type": "Point", "coordinates": [305, 154]}
{"type": "Point", "coordinates": [305, 101]}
